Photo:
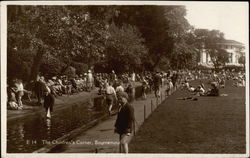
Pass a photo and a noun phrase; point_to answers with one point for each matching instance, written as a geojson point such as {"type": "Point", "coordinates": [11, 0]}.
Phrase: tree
{"type": "Point", "coordinates": [125, 48]}
{"type": "Point", "coordinates": [219, 57]}
{"type": "Point", "coordinates": [161, 27]}
{"type": "Point", "coordinates": [184, 56]}
{"type": "Point", "coordinates": [65, 32]}
{"type": "Point", "coordinates": [242, 60]}
{"type": "Point", "coordinates": [208, 39]}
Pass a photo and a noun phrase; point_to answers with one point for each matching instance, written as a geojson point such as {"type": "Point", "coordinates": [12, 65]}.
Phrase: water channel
{"type": "Point", "coordinates": [27, 135]}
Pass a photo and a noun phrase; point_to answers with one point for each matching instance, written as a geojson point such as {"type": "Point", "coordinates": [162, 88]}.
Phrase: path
{"type": "Point", "coordinates": [102, 138]}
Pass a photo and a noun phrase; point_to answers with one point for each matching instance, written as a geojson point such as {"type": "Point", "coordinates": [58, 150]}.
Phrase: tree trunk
{"type": "Point", "coordinates": [37, 61]}
{"type": "Point", "coordinates": [158, 59]}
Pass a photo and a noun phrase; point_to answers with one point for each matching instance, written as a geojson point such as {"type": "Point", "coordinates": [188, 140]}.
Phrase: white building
{"type": "Point", "coordinates": [234, 48]}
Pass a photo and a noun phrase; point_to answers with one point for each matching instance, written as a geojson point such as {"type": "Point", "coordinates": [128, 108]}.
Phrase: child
{"type": "Point", "coordinates": [49, 101]}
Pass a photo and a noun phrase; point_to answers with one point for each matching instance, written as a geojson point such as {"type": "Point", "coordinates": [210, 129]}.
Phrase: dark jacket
{"type": "Point", "coordinates": [49, 101]}
{"type": "Point", "coordinates": [214, 92]}
{"type": "Point", "coordinates": [125, 119]}
{"type": "Point", "coordinates": [39, 88]}
{"type": "Point", "coordinates": [157, 80]}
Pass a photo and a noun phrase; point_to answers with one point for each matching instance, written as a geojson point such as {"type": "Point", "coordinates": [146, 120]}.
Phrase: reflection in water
{"type": "Point", "coordinates": [48, 123]}
{"type": "Point", "coordinates": [21, 131]}
{"type": "Point", "coordinates": [28, 135]}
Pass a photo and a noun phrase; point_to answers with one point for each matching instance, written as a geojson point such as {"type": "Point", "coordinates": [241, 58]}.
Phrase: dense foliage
{"type": "Point", "coordinates": [54, 39]}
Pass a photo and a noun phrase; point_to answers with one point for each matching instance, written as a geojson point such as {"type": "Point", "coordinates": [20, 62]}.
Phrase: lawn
{"type": "Point", "coordinates": [208, 125]}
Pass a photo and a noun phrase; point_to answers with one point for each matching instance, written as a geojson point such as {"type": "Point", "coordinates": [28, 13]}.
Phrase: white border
{"type": "Point", "coordinates": [4, 65]}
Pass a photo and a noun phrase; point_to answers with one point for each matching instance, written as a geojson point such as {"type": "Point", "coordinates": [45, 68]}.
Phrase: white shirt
{"type": "Point", "coordinates": [119, 89]}
{"type": "Point", "coordinates": [90, 77]}
{"type": "Point", "coordinates": [19, 86]}
{"type": "Point", "coordinates": [110, 90]}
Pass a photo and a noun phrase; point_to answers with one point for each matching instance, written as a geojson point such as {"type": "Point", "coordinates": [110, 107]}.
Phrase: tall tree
{"type": "Point", "coordinates": [64, 31]}
{"type": "Point", "coordinates": [219, 57]}
{"type": "Point", "coordinates": [125, 48]}
{"type": "Point", "coordinates": [209, 39]}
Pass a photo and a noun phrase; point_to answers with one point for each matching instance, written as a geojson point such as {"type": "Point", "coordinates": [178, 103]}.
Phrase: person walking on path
{"type": "Point", "coordinates": [130, 91]}
{"type": "Point", "coordinates": [49, 101]}
{"type": "Point", "coordinates": [90, 81]}
{"type": "Point", "coordinates": [157, 83]}
{"type": "Point", "coordinates": [110, 96]}
{"type": "Point", "coordinates": [144, 88]}
{"type": "Point", "coordinates": [124, 121]}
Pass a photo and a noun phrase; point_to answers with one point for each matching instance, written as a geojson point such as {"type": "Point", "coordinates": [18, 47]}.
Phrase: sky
{"type": "Point", "coordinates": [231, 18]}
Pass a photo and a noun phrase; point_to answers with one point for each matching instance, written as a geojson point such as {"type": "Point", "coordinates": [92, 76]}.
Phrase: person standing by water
{"type": "Point", "coordinates": [19, 92]}
{"type": "Point", "coordinates": [39, 88]}
{"type": "Point", "coordinates": [49, 101]}
{"type": "Point", "coordinates": [124, 122]}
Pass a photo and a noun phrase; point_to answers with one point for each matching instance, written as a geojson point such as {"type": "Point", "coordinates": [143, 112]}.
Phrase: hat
{"type": "Point", "coordinates": [89, 71]}
{"type": "Point", "coordinates": [213, 84]}
{"type": "Point", "coordinates": [123, 95]}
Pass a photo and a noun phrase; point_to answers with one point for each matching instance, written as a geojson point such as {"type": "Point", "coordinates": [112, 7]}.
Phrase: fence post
{"type": "Point", "coordinates": [144, 112]}
{"type": "Point", "coordinates": [151, 108]}
{"type": "Point", "coordinates": [151, 102]}
{"type": "Point", "coordinates": [134, 127]}
{"type": "Point", "coordinates": [161, 96]}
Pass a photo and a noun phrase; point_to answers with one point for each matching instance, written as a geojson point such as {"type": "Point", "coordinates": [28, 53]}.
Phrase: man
{"type": "Point", "coordinates": [124, 121]}
{"type": "Point", "coordinates": [39, 88]}
{"type": "Point", "coordinates": [49, 102]}
{"type": "Point", "coordinates": [110, 95]}
{"type": "Point", "coordinates": [157, 83]}
{"type": "Point", "coordinates": [90, 80]}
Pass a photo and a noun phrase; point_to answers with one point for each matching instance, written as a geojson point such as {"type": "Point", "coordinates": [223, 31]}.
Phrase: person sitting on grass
{"type": "Point", "coordinates": [214, 91]}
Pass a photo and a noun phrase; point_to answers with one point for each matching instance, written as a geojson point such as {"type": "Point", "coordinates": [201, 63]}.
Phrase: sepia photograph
{"type": "Point", "coordinates": [136, 77]}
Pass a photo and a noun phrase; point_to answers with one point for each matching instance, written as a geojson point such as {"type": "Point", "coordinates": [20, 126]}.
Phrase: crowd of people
{"type": "Point", "coordinates": [111, 84]}
{"type": "Point", "coordinates": [216, 81]}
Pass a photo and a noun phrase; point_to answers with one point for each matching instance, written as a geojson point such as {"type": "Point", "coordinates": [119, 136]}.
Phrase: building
{"type": "Point", "coordinates": [234, 48]}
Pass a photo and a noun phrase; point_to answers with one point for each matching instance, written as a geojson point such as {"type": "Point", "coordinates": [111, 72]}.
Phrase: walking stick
{"type": "Point", "coordinates": [120, 146]}
{"type": "Point", "coordinates": [134, 127]}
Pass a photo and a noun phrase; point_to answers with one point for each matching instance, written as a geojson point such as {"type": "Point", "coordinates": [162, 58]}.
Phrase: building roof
{"type": "Point", "coordinates": [231, 42]}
